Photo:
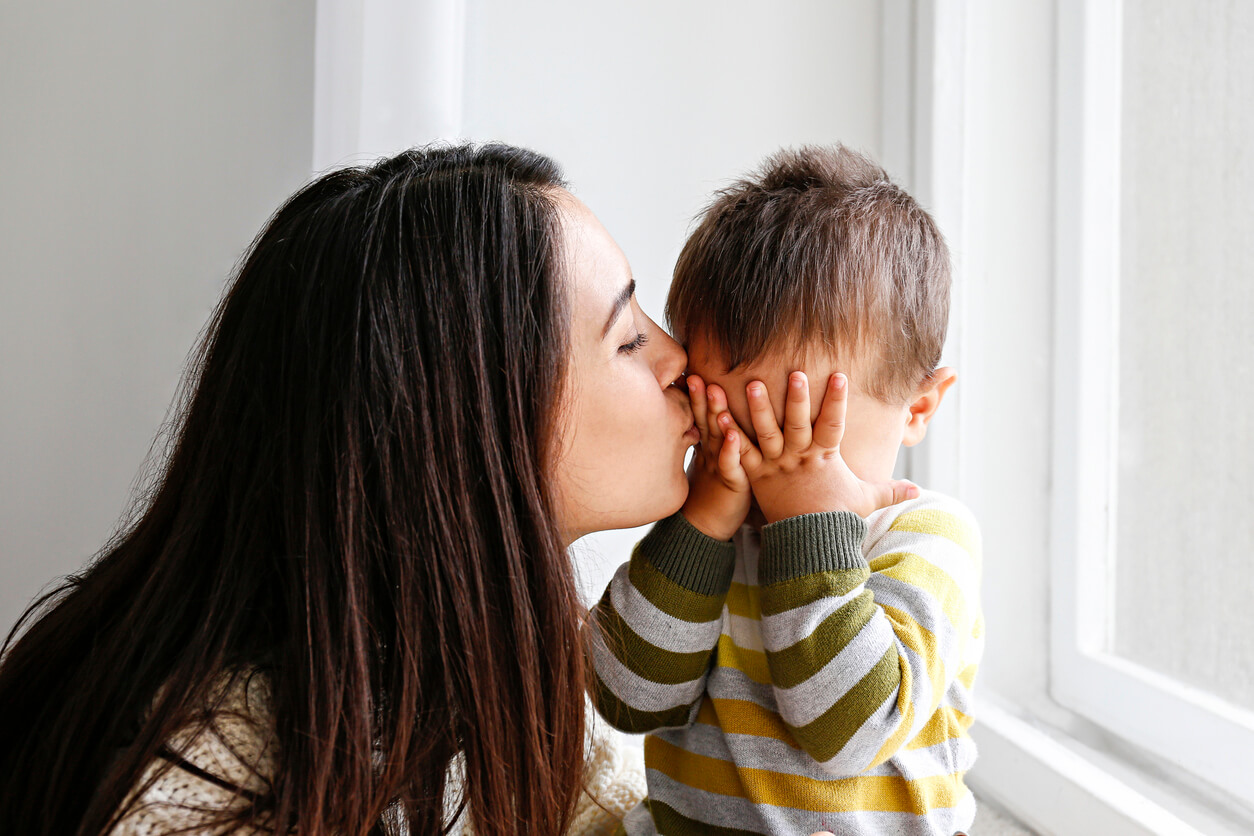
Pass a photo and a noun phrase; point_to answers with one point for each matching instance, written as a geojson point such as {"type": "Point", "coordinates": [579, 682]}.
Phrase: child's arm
{"type": "Point", "coordinates": [656, 626]}
{"type": "Point", "coordinates": [859, 660]}
{"type": "Point", "coordinates": [861, 653]}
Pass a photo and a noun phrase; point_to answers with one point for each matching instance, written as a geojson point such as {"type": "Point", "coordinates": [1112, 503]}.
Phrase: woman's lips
{"type": "Point", "coordinates": [692, 435]}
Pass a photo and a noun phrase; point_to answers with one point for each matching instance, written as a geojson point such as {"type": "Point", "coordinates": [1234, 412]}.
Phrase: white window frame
{"type": "Point", "coordinates": [924, 66]}
{"type": "Point", "coordinates": [1183, 725]}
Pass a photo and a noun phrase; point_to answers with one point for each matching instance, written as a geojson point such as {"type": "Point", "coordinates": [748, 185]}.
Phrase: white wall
{"type": "Point", "coordinates": [143, 145]}
{"type": "Point", "coordinates": [650, 106]}
{"type": "Point", "coordinates": [148, 143]}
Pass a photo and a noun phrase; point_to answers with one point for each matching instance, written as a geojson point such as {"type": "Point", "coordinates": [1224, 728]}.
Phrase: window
{"type": "Point", "coordinates": [1153, 532]}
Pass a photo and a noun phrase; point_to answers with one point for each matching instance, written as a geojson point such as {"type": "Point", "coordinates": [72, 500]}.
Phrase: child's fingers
{"type": "Point", "coordinates": [716, 404]}
{"type": "Point", "coordinates": [797, 429]}
{"type": "Point", "coordinates": [696, 399]}
{"type": "Point", "coordinates": [762, 414]}
{"type": "Point", "coordinates": [829, 427]}
{"type": "Point", "coordinates": [750, 456]}
{"type": "Point", "coordinates": [884, 494]}
{"type": "Point", "coordinates": [729, 466]}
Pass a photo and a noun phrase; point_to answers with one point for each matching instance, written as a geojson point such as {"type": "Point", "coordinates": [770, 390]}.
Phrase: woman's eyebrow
{"type": "Point", "coordinates": [620, 302]}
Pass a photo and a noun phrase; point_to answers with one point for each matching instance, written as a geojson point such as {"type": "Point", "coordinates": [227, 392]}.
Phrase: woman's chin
{"type": "Point", "coordinates": [680, 495]}
{"type": "Point", "coordinates": [674, 496]}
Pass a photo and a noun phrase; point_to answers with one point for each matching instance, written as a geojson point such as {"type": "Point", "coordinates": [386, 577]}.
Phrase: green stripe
{"type": "Point", "coordinates": [788, 595]}
{"type": "Point", "coordinates": [644, 658]}
{"type": "Point", "coordinates": [623, 717]}
{"type": "Point", "coordinates": [827, 734]}
{"type": "Point", "coordinates": [829, 541]}
{"type": "Point", "coordinates": [798, 662]}
{"type": "Point", "coordinates": [671, 598]}
{"type": "Point", "coordinates": [690, 559]}
{"type": "Point", "coordinates": [671, 822]}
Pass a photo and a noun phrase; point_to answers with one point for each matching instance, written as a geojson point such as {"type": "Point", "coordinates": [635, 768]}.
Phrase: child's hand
{"type": "Point", "coordinates": [799, 470]}
{"type": "Point", "coordinates": [718, 489]}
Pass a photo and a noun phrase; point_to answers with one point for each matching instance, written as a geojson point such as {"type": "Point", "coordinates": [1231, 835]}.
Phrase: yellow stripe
{"type": "Point", "coordinates": [742, 600]}
{"type": "Point", "coordinates": [923, 643]}
{"type": "Point", "coordinates": [913, 570]}
{"type": "Point", "coordinates": [939, 524]}
{"type": "Point", "coordinates": [877, 793]}
{"type": "Point", "coordinates": [750, 719]}
{"type": "Point", "coordinates": [751, 663]}
{"type": "Point", "coordinates": [967, 676]}
{"type": "Point", "coordinates": [945, 724]}
{"type": "Point", "coordinates": [744, 717]}
{"type": "Point", "coordinates": [919, 639]}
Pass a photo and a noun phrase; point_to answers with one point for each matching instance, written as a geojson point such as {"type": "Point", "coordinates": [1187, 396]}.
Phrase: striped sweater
{"type": "Point", "coordinates": [817, 677]}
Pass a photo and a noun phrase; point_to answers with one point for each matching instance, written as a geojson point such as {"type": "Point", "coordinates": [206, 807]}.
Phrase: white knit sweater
{"type": "Point", "coordinates": [180, 800]}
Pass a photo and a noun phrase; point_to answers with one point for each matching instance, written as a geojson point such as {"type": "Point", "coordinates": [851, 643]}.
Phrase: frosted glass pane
{"type": "Point", "coordinates": [1185, 524]}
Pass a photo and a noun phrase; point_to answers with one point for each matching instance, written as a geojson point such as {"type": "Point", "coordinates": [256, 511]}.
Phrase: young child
{"type": "Point", "coordinates": [801, 640]}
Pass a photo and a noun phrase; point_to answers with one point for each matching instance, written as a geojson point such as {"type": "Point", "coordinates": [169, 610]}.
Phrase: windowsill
{"type": "Point", "coordinates": [1055, 782]}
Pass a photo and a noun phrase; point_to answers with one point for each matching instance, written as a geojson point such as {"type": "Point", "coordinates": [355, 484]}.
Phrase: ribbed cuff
{"type": "Point", "coordinates": [691, 559]}
{"type": "Point", "coordinates": [830, 541]}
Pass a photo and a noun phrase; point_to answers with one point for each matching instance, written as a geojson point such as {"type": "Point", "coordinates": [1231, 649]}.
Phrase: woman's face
{"type": "Point", "coordinates": [625, 424]}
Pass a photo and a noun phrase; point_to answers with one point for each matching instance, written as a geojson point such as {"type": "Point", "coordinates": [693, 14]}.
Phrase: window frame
{"type": "Point", "coordinates": [1186, 726]}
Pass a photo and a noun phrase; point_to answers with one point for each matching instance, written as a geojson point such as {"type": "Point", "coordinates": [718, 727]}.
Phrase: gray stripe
{"type": "Point", "coordinates": [921, 696]}
{"type": "Point", "coordinates": [746, 751]}
{"type": "Point", "coordinates": [744, 632]}
{"type": "Point", "coordinates": [919, 604]}
{"type": "Point", "coordinates": [730, 684]}
{"type": "Point", "coordinates": [637, 692]}
{"type": "Point", "coordinates": [655, 626]}
{"type": "Point", "coordinates": [957, 696]}
{"type": "Point", "coordinates": [727, 810]}
{"type": "Point", "coordinates": [944, 758]}
{"type": "Point", "coordinates": [638, 822]}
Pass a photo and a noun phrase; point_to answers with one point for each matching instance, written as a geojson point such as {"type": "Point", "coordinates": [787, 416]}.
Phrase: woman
{"type": "Point", "coordinates": [429, 377]}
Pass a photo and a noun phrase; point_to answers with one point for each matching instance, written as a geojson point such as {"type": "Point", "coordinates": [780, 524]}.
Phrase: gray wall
{"type": "Point", "coordinates": [142, 145]}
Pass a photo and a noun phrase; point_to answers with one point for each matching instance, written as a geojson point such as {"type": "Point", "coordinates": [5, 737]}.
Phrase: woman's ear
{"type": "Point", "coordinates": [926, 402]}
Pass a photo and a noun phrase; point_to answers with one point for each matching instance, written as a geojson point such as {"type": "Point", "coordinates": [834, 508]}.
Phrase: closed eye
{"type": "Point", "coordinates": [635, 345]}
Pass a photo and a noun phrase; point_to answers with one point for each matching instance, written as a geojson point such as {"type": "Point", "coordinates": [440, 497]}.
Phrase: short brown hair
{"type": "Point", "coordinates": [818, 246]}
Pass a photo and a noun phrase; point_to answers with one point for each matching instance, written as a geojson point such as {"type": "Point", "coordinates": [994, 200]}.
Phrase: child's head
{"type": "Point", "coordinates": [820, 263]}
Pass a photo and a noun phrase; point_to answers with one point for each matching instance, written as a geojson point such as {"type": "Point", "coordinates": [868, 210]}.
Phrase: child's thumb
{"type": "Point", "coordinates": [896, 491]}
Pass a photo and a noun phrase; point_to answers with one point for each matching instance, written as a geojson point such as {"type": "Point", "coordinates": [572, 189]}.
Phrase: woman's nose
{"type": "Point", "coordinates": [672, 359]}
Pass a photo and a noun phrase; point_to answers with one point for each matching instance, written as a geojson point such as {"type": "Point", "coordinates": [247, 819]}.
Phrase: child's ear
{"type": "Point", "coordinates": [926, 402]}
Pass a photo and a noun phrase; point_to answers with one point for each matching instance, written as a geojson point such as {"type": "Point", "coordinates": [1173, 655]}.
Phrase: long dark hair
{"type": "Point", "coordinates": [356, 505]}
